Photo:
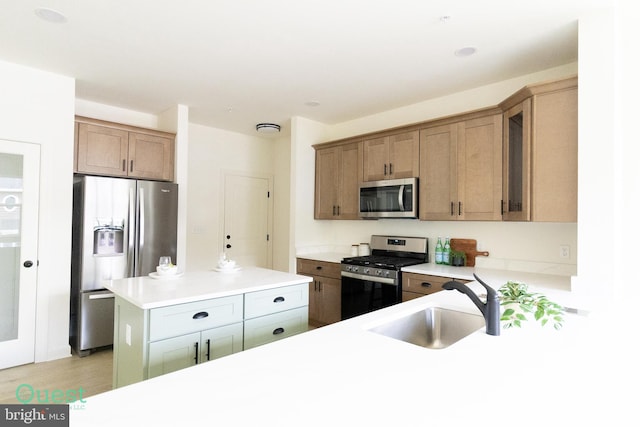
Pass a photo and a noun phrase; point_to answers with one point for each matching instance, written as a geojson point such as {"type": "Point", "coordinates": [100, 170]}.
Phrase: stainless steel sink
{"type": "Point", "coordinates": [433, 327]}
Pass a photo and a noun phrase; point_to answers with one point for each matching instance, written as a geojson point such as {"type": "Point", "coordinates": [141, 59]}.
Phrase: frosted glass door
{"type": "Point", "coordinates": [19, 175]}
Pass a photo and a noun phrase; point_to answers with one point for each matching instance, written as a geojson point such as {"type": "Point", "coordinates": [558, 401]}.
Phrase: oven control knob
{"type": "Point", "coordinates": [366, 271]}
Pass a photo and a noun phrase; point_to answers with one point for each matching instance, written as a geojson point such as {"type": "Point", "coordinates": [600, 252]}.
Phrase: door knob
{"type": "Point", "coordinates": [28, 263]}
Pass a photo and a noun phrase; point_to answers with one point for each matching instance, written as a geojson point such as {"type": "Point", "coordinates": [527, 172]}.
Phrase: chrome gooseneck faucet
{"type": "Point", "coordinates": [490, 310]}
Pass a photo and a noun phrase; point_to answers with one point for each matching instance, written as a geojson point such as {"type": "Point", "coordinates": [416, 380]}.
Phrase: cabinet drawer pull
{"type": "Point", "coordinates": [201, 315]}
{"type": "Point", "coordinates": [425, 284]}
{"type": "Point", "coordinates": [318, 267]}
{"type": "Point", "coordinates": [208, 349]}
{"type": "Point", "coordinates": [278, 299]}
{"type": "Point", "coordinates": [197, 351]}
{"type": "Point", "coordinates": [278, 331]}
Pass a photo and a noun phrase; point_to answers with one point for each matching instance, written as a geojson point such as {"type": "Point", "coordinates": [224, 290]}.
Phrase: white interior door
{"type": "Point", "coordinates": [19, 193]}
{"type": "Point", "coordinates": [247, 220]}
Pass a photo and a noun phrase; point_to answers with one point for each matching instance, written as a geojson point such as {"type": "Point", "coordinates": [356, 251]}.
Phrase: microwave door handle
{"type": "Point", "coordinates": [400, 198]}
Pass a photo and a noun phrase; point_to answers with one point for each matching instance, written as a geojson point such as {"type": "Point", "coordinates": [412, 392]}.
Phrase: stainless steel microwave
{"type": "Point", "coordinates": [391, 198]}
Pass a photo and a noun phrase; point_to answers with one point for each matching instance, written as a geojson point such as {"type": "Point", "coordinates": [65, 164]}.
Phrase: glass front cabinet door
{"type": "Point", "coordinates": [516, 152]}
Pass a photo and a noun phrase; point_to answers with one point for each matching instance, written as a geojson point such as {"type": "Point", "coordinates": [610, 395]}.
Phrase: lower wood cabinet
{"type": "Point", "coordinates": [325, 291]}
{"type": "Point", "coordinates": [152, 342]}
{"type": "Point", "coordinates": [418, 285]}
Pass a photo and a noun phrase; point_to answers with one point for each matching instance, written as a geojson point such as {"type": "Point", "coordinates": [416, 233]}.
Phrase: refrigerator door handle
{"type": "Point", "coordinates": [102, 296]}
{"type": "Point", "coordinates": [141, 203]}
{"type": "Point", "coordinates": [132, 230]}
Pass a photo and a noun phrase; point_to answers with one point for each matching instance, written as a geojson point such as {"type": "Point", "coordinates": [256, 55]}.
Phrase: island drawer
{"type": "Point", "coordinates": [274, 327]}
{"type": "Point", "coordinates": [166, 322]}
{"type": "Point", "coordinates": [269, 301]}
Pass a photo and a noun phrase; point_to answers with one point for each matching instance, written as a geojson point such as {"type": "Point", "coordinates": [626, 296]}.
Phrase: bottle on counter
{"type": "Point", "coordinates": [439, 251]}
{"type": "Point", "coordinates": [446, 252]}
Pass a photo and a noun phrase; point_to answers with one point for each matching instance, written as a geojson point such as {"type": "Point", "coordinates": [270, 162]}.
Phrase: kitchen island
{"type": "Point", "coordinates": [167, 323]}
{"type": "Point", "coordinates": [344, 374]}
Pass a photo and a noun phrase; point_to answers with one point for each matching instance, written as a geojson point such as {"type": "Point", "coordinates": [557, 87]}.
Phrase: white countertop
{"type": "Point", "coordinates": [147, 293]}
{"type": "Point", "coordinates": [342, 374]}
{"type": "Point", "coordinates": [325, 256]}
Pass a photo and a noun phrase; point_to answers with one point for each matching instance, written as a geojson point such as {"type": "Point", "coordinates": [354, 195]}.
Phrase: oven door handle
{"type": "Point", "coordinates": [385, 280]}
{"type": "Point", "coordinates": [400, 198]}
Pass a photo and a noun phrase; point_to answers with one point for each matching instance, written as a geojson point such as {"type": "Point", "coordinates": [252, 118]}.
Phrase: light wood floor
{"type": "Point", "coordinates": [94, 373]}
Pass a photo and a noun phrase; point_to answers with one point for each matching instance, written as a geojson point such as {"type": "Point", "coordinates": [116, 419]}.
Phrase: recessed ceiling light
{"type": "Point", "coordinates": [50, 15]}
{"type": "Point", "coordinates": [312, 103]}
{"type": "Point", "coordinates": [444, 19]}
{"type": "Point", "coordinates": [267, 128]}
{"type": "Point", "coordinates": [465, 51]}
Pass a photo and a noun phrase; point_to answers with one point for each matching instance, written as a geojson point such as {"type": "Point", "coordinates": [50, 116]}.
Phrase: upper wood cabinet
{"type": "Point", "coordinates": [391, 157]}
{"type": "Point", "coordinates": [338, 176]}
{"type": "Point", "coordinates": [104, 148]}
{"type": "Point", "coordinates": [461, 170]}
{"type": "Point", "coordinates": [541, 153]}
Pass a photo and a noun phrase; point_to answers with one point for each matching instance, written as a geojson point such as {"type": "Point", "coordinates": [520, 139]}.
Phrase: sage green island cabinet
{"type": "Point", "coordinates": [163, 326]}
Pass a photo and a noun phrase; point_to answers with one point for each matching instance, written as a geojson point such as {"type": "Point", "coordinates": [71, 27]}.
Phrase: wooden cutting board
{"type": "Point", "coordinates": [469, 247]}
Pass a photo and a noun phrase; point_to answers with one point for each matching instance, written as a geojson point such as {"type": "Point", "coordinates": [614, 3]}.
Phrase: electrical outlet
{"type": "Point", "coordinates": [565, 251]}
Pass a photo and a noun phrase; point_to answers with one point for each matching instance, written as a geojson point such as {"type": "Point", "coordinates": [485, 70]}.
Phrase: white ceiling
{"type": "Point", "coordinates": [236, 63]}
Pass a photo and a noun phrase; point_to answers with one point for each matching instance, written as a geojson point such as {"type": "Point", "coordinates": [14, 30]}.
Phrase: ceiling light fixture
{"type": "Point", "coordinates": [267, 128]}
{"type": "Point", "coordinates": [312, 103]}
{"type": "Point", "coordinates": [465, 51]}
{"type": "Point", "coordinates": [50, 15]}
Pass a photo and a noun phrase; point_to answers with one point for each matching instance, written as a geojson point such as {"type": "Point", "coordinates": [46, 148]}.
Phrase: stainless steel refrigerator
{"type": "Point", "coordinates": [120, 229]}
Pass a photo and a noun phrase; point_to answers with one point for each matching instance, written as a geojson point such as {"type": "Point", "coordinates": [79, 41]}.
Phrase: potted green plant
{"type": "Point", "coordinates": [519, 304]}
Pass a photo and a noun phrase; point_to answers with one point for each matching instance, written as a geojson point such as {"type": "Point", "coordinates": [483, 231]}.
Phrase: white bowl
{"type": "Point", "coordinates": [166, 270]}
{"type": "Point", "coordinates": [227, 265]}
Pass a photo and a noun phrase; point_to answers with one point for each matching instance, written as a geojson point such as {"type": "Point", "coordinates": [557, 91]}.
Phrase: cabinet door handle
{"type": "Point", "coordinates": [131, 166]}
{"type": "Point", "coordinates": [209, 349]}
{"type": "Point", "coordinates": [196, 358]}
{"type": "Point", "coordinates": [338, 210]}
{"type": "Point", "coordinates": [425, 284]}
{"type": "Point", "coordinates": [124, 165]}
{"type": "Point", "coordinates": [278, 331]}
{"type": "Point", "coordinates": [278, 299]}
{"type": "Point", "coordinates": [451, 208]}
{"type": "Point", "coordinates": [201, 315]}
{"type": "Point", "coordinates": [459, 208]}
{"type": "Point", "coordinates": [390, 168]}
{"type": "Point", "coordinates": [385, 169]}
{"type": "Point", "coordinates": [334, 210]}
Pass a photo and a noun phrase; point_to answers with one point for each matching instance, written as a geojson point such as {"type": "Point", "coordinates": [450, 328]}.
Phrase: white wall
{"type": "Point", "coordinates": [211, 153]}
{"type": "Point", "coordinates": [518, 246]}
{"type": "Point", "coordinates": [38, 107]}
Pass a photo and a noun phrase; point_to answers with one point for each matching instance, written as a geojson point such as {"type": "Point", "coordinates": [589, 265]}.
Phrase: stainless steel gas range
{"type": "Point", "coordinates": [375, 281]}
